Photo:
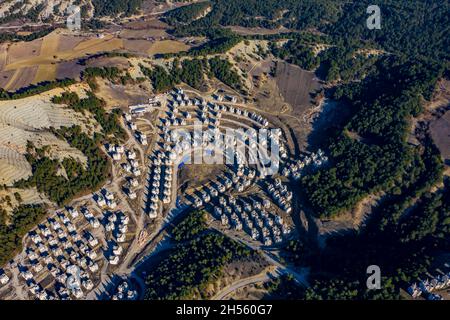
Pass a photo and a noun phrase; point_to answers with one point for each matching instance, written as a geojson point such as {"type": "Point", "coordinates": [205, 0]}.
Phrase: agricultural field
{"type": "Point", "coordinates": [56, 55]}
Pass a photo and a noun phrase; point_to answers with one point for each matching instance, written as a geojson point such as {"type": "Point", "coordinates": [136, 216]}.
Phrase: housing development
{"type": "Point", "coordinates": [224, 150]}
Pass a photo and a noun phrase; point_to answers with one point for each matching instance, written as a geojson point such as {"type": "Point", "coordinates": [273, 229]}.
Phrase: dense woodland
{"type": "Point", "coordinates": [186, 14]}
{"type": "Point", "coordinates": [13, 228]}
{"type": "Point", "coordinates": [109, 122]}
{"type": "Point", "coordinates": [370, 152]}
{"type": "Point", "coordinates": [7, 36]}
{"type": "Point", "coordinates": [270, 14]}
{"type": "Point", "coordinates": [46, 172]}
{"type": "Point", "coordinates": [190, 267]}
{"type": "Point", "coordinates": [197, 260]}
{"type": "Point", "coordinates": [34, 89]}
{"type": "Point", "coordinates": [191, 226]}
{"type": "Point", "coordinates": [194, 73]}
{"type": "Point", "coordinates": [296, 52]}
{"type": "Point", "coordinates": [116, 7]}
{"type": "Point", "coordinates": [218, 40]}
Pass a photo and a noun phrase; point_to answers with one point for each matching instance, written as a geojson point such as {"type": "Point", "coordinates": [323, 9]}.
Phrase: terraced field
{"type": "Point", "coordinates": [27, 120]}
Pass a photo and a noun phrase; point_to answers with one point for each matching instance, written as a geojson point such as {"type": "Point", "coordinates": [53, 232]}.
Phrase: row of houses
{"type": "Point", "coordinates": [131, 165]}
{"type": "Point", "coordinates": [159, 185]}
{"type": "Point", "coordinates": [223, 183]}
{"type": "Point", "coordinates": [251, 215]}
{"type": "Point", "coordinates": [280, 194]}
{"type": "Point", "coordinates": [124, 291]}
{"type": "Point", "coordinates": [426, 288]}
{"type": "Point", "coordinates": [104, 198]}
{"type": "Point", "coordinates": [117, 224]}
{"type": "Point", "coordinates": [220, 98]}
{"type": "Point", "coordinates": [294, 168]}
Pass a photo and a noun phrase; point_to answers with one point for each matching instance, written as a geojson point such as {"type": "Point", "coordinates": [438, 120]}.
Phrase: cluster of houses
{"type": "Point", "coordinates": [251, 216]}
{"type": "Point", "coordinates": [124, 292]}
{"type": "Point", "coordinates": [103, 199]}
{"type": "Point", "coordinates": [160, 184]}
{"type": "Point", "coordinates": [180, 99]}
{"type": "Point", "coordinates": [208, 112]}
{"type": "Point", "coordinates": [57, 248]}
{"type": "Point", "coordinates": [220, 98]}
{"type": "Point", "coordinates": [426, 288]}
{"type": "Point", "coordinates": [117, 224]}
{"type": "Point", "coordinates": [280, 194]}
{"type": "Point", "coordinates": [217, 109]}
{"type": "Point", "coordinates": [138, 135]}
{"type": "Point", "coordinates": [115, 151]}
{"type": "Point", "coordinates": [294, 169]}
{"type": "Point", "coordinates": [204, 195]}
{"type": "Point", "coordinates": [171, 147]}
{"type": "Point", "coordinates": [131, 165]}
{"type": "Point", "coordinates": [4, 279]}
{"type": "Point", "coordinates": [129, 121]}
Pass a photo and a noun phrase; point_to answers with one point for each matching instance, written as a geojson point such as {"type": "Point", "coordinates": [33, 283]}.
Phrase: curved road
{"type": "Point", "coordinates": [266, 276]}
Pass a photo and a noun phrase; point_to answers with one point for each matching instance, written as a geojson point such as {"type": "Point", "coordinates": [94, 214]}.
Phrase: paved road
{"type": "Point", "coordinates": [266, 276]}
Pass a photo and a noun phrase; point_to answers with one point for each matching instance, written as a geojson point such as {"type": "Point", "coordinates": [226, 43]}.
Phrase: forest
{"type": "Point", "coordinates": [375, 160]}
{"type": "Point", "coordinates": [6, 36]}
{"type": "Point", "coordinates": [116, 7]}
{"type": "Point", "coordinates": [269, 14]}
{"type": "Point", "coordinates": [191, 226]}
{"type": "Point", "coordinates": [46, 176]}
{"type": "Point", "coordinates": [34, 89]}
{"type": "Point", "coordinates": [193, 72]}
{"type": "Point", "coordinates": [12, 230]}
{"type": "Point", "coordinates": [186, 14]}
{"type": "Point", "coordinates": [188, 269]}
{"type": "Point", "coordinates": [111, 128]}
